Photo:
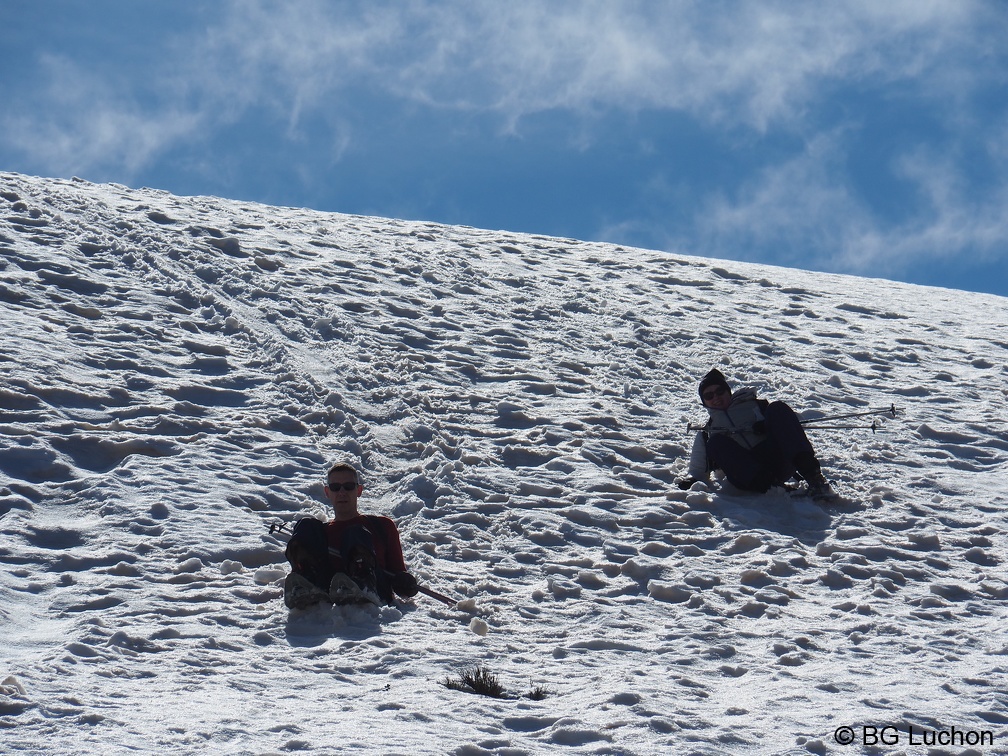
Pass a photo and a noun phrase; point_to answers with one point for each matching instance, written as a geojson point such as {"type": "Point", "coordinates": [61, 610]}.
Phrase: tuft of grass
{"type": "Point", "coordinates": [538, 693]}
{"type": "Point", "coordinates": [477, 680]}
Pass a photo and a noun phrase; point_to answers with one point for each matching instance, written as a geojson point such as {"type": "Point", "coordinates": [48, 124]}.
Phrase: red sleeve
{"type": "Point", "coordinates": [393, 548]}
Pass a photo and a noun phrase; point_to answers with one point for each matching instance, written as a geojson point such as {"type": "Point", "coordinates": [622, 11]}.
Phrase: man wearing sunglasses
{"type": "Point", "coordinates": [755, 443]}
{"type": "Point", "coordinates": [352, 557]}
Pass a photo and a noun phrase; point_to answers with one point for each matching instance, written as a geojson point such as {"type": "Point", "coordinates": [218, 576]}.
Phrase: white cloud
{"type": "Point", "coordinates": [79, 121]}
{"type": "Point", "coordinates": [795, 208]}
{"type": "Point", "coordinates": [802, 213]}
{"type": "Point", "coordinates": [736, 68]}
{"type": "Point", "coordinates": [743, 63]}
{"type": "Point", "coordinates": [726, 63]}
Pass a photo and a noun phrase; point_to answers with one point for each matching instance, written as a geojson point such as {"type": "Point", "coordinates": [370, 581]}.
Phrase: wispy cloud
{"type": "Point", "coordinates": [78, 121]}
{"type": "Point", "coordinates": [802, 212]}
{"type": "Point", "coordinates": [742, 63]}
{"type": "Point", "coordinates": [749, 74]}
{"type": "Point", "coordinates": [794, 208]}
{"type": "Point", "coordinates": [749, 65]}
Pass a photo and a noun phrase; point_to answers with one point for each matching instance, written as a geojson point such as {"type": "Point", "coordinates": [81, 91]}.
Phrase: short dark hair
{"type": "Point", "coordinates": [343, 467]}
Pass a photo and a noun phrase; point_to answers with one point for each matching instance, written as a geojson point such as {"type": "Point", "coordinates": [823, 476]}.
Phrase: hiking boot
{"type": "Point", "coordinates": [345, 590]}
{"type": "Point", "coordinates": [808, 468]}
{"type": "Point", "coordinates": [300, 592]}
{"type": "Point", "coordinates": [821, 492]}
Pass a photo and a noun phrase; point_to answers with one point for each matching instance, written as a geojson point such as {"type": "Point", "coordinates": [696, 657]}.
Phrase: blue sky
{"type": "Point", "coordinates": [857, 137]}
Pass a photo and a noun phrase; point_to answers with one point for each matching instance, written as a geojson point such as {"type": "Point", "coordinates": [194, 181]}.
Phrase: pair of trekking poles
{"type": "Point", "coordinates": [812, 423]}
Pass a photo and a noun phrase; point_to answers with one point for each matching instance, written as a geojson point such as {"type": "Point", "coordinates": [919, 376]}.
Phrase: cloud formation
{"type": "Point", "coordinates": [752, 65]}
{"type": "Point", "coordinates": [804, 209]}
{"type": "Point", "coordinates": [744, 62]}
{"type": "Point", "coordinates": [794, 94]}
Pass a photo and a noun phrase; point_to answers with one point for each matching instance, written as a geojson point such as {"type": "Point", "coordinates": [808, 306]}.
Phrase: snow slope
{"type": "Point", "coordinates": [177, 373]}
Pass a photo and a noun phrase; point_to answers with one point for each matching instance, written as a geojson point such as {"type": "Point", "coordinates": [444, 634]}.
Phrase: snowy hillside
{"type": "Point", "coordinates": [177, 373]}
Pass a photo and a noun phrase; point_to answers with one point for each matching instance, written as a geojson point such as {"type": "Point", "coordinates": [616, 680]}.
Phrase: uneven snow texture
{"type": "Point", "coordinates": [179, 372]}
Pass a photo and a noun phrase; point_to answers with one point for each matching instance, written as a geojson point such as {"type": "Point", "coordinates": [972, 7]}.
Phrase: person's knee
{"type": "Point", "coordinates": [778, 409]}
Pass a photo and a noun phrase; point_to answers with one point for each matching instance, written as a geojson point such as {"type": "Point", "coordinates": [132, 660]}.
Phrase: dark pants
{"type": "Point", "coordinates": [784, 452]}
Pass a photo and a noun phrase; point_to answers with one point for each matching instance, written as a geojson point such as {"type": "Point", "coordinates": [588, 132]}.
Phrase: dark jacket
{"type": "Point", "coordinates": [745, 411]}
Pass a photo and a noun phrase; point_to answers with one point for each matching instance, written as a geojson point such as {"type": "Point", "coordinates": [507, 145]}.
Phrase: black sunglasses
{"type": "Point", "coordinates": [716, 391]}
{"type": "Point", "coordinates": [348, 486]}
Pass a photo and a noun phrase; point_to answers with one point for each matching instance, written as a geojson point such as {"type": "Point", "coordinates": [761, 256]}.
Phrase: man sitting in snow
{"type": "Point", "coordinates": [354, 554]}
{"type": "Point", "coordinates": [756, 443]}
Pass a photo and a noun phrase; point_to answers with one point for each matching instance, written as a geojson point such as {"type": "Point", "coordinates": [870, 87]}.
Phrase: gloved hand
{"type": "Point", "coordinates": [685, 484]}
{"type": "Point", "coordinates": [404, 584]}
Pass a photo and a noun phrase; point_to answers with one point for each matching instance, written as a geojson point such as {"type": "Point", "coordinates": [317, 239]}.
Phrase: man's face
{"type": "Point", "coordinates": [716, 397]}
{"type": "Point", "coordinates": [342, 493]}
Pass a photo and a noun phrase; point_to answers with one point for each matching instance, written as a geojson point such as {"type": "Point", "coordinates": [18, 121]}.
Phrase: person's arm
{"type": "Point", "coordinates": [394, 560]}
{"type": "Point", "coordinates": [401, 582]}
{"type": "Point", "coordinates": [698, 468]}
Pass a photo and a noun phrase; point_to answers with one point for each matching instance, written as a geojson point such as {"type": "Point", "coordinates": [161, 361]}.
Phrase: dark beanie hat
{"type": "Point", "coordinates": [713, 378]}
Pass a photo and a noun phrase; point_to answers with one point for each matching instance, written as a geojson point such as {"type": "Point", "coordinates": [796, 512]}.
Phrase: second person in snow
{"type": "Point", "coordinates": [757, 444]}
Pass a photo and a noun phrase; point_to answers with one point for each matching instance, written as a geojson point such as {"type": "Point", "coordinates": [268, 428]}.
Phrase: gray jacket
{"type": "Point", "coordinates": [737, 421]}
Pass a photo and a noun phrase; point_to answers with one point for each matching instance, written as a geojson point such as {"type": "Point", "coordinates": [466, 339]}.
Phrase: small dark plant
{"type": "Point", "coordinates": [538, 693]}
{"type": "Point", "coordinates": [477, 680]}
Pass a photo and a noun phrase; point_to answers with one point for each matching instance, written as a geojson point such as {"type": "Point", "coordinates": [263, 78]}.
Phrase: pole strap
{"type": "Point", "coordinates": [278, 526]}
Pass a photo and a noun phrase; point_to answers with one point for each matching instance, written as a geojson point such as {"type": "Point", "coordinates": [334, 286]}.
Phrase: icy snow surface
{"type": "Point", "coordinates": [178, 373]}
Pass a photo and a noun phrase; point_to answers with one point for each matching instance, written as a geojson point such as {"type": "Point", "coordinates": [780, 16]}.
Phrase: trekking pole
{"type": "Point", "coordinates": [874, 427]}
{"type": "Point", "coordinates": [278, 526]}
{"type": "Point", "coordinates": [448, 600]}
{"type": "Point", "coordinates": [809, 423]}
{"type": "Point", "coordinates": [890, 410]}
{"type": "Point", "coordinates": [435, 595]}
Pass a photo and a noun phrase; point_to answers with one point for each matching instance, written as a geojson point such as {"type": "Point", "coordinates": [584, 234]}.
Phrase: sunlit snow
{"type": "Point", "coordinates": [179, 372]}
